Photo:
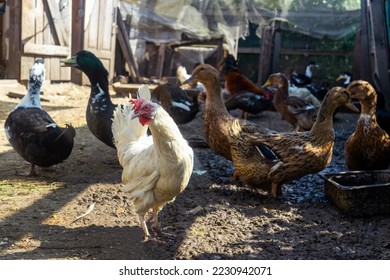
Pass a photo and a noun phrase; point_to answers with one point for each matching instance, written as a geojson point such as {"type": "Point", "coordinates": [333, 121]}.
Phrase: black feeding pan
{"type": "Point", "coordinates": [359, 193]}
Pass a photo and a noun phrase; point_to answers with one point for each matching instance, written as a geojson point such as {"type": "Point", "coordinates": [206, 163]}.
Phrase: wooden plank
{"type": "Point", "coordinates": [265, 54]}
{"type": "Point", "coordinates": [92, 24]}
{"type": "Point", "coordinates": [39, 23]}
{"type": "Point", "coordinates": [128, 89]}
{"type": "Point", "coordinates": [45, 50]}
{"type": "Point", "coordinates": [55, 74]}
{"type": "Point", "coordinates": [28, 21]}
{"type": "Point", "coordinates": [276, 50]}
{"type": "Point", "coordinates": [25, 64]}
{"type": "Point", "coordinates": [160, 60]}
{"type": "Point", "coordinates": [12, 57]}
{"type": "Point", "coordinates": [54, 16]}
{"type": "Point", "coordinates": [107, 20]}
{"type": "Point", "coordinates": [78, 10]}
{"type": "Point", "coordinates": [306, 52]}
{"type": "Point", "coordinates": [124, 43]}
{"type": "Point", "coordinates": [365, 68]}
{"type": "Point", "coordinates": [299, 52]}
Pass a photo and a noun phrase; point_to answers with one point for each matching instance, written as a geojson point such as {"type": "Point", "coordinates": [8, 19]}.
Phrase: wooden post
{"type": "Point", "coordinates": [12, 59]}
{"type": "Point", "coordinates": [124, 43]}
{"type": "Point", "coordinates": [277, 42]}
{"type": "Point", "coordinates": [365, 52]}
{"type": "Point", "coordinates": [265, 54]}
{"type": "Point", "coordinates": [160, 61]}
{"type": "Point", "coordinates": [380, 49]}
{"type": "Point", "coordinates": [78, 11]}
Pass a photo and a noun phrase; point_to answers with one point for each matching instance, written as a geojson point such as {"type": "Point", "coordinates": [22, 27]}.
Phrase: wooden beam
{"type": "Point", "coordinates": [47, 50]}
{"type": "Point", "coordinates": [314, 52]}
{"type": "Point", "coordinates": [211, 42]}
{"type": "Point", "coordinates": [78, 13]}
{"type": "Point", "coordinates": [160, 60]}
{"type": "Point", "coordinates": [54, 15]}
{"type": "Point", "coordinates": [276, 50]}
{"type": "Point", "coordinates": [12, 57]}
{"type": "Point", "coordinates": [124, 44]}
{"type": "Point", "coordinates": [365, 56]}
{"type": "Point", "coordinates": [298, 52]}
{"type": "Point", "coordinates": [265, 54]}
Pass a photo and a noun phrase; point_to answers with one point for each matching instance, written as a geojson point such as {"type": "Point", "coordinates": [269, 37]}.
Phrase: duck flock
{"type": "Point", "coordinates": [157, 161]}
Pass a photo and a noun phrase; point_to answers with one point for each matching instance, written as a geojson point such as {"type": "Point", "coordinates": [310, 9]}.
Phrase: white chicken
{"type": "Point", "coordinates": [156, 168]}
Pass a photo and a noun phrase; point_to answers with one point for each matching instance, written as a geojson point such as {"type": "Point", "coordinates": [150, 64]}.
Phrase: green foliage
{"type": "Point", "coordinates": [293, 40]}
{"type": "Point", "coordinates": [330, 65]}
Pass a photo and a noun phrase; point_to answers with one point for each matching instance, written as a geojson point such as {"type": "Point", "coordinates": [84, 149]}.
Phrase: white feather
{"type": "Point", "coordinates": [163, 161]}
{"type": "Point", "coordinates": [32, 99]}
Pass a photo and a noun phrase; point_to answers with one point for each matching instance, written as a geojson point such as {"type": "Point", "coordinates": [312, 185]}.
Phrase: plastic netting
{"type": "Point", "coordinates": [165, 21]}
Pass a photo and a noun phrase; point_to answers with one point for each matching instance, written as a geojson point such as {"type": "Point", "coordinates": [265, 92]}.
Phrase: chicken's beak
{"type": "Point", "coordinates": [135, 115]}
{"type": "Point", "coordinates": [71, 61]}
{"type": "Point", "coordinates": [351, 107]}
{"type": "Point", "coordinates": [339, 78]}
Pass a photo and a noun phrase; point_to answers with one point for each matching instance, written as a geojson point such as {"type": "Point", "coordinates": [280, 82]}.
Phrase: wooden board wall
{"type": "Point", "coordinates": [98, 34]}
{"type": "Point", "coordinates": [43, 34]}
{"type": "Point", "coordinates": [43, 29]}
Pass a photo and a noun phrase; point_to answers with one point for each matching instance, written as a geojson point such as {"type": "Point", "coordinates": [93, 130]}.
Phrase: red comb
{"type": "Point", "coordinates": [137, 103]}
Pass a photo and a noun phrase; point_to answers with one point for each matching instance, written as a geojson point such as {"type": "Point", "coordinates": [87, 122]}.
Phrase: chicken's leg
{"type": "Point", "coordinates": [155, 218]}
{"type": "Point", "coordinates": [144, 227]}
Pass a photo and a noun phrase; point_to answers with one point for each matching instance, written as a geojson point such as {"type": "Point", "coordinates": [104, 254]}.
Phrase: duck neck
{"type": "Point", "coordinates": [32, 99]}
{"type": "Point", "coordinates": [280, 97]}
{"type": "Point", "coordinates": [214, 102]}
{"type": "Point", "coordinates": [308, 72]}
{"type": "Point", "coordinates": [368, 104]}
{"type": "Point", "coordinates": [99, 85]}
{"type": "Point", "coordinates": [347, 80]}
{"type": "Point", "coordinates": [322, 130]}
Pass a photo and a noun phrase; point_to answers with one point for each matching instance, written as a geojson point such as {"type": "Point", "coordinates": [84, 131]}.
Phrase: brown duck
{"type": "Point", "coordinates": [368, 148]}
{"type": "Point", "coordinates": [267, 161]}
{"type": "Point", "coordinates": [217, 120]}
{"type": "Point", "coordinates": [298, 112]}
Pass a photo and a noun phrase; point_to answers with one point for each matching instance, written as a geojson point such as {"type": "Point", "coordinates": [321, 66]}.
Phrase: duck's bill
{"type": "Point", "coordinates": [266, 84]}
{"type": "Point", "coordinates": [71, 61]}
{"type": "Point", "coordinates": [189, 80]}
{"type": "Point", "coordinates": [351, 107]}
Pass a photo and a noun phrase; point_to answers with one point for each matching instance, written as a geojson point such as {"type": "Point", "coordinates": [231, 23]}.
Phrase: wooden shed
{"type": "Point", "coordinates": [53, 30]}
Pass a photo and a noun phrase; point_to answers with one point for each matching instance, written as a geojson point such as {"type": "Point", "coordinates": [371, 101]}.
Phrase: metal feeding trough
{"type": "Point", "coordinates": [360, 193]}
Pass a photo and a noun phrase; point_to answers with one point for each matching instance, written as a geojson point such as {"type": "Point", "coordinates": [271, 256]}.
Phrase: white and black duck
{"type": "Point", "coordinates": [302, 80]}
{"type": "Point", "coordinates": [176, 102]}
{"type": "Point", "coordinates": [345, 78]}
{"type": "Point", "coordinates": [100, 107]}
{"type": "Point", "coordinates": [31, 131]}
{"type": "Point", "coordinates": [249, 103]}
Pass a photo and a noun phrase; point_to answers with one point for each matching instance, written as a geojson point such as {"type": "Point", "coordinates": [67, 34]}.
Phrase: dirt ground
{"type": "Point", "coordinates": [211, 219]}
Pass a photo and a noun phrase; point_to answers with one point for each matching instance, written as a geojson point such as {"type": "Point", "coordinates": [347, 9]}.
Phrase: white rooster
{"type": "Point", "coordinates": [156, 168]}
